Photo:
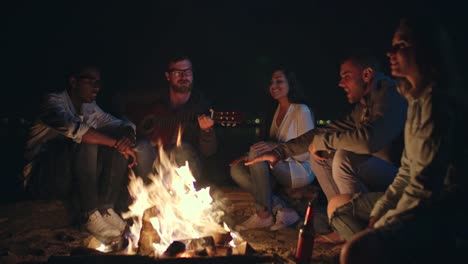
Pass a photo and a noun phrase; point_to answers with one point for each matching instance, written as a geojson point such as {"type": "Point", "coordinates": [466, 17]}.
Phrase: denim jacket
{"type": "Point", "coordinates": [375, 127]}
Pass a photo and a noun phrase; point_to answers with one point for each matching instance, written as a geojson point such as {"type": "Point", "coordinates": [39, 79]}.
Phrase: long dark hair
{"type": "Point", "coordinates": [432, 49]}
{"type": "Point", "coordinates": [295, 95]}
{"type": "Point", "coordinates": [434, 57]}
{"type": "Point", "coordinates": [296, 92]}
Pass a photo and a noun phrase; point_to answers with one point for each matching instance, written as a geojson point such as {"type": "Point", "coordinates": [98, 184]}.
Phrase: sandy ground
{"type": "Point", "coordinates": [33, 231]}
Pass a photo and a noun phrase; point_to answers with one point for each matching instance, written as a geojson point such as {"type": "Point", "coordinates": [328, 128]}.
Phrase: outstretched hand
{"type": "Point", "coordinates": [269, 156]}
{"type": "Point", "coordinates": [263, 147]}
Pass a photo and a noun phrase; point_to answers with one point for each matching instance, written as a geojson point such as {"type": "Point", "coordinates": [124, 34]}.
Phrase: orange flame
{"type": "Point", "coordinates": [179, 136]}
{"type": "Point", "coordinates": [184, 212]}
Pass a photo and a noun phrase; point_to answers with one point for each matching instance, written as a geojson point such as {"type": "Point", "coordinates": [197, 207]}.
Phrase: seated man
{"type": "Point", "coordinates": [362, 150]}
{"type": "Point", "coordinates": [177, 108]}
{"type": "Point", "coordinates": [74, 142]}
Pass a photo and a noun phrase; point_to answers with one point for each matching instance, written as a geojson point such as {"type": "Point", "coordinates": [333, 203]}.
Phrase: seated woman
{"type": "Point", "coordinates": [422, 214]}
{"type": "Point", "coordinates": [291, 119]}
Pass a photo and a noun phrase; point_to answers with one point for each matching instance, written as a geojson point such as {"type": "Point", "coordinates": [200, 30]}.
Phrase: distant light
{"type": "Point", "coordinates": [257, 120]}
{"type": "Point", "coordinates": [323, 122]}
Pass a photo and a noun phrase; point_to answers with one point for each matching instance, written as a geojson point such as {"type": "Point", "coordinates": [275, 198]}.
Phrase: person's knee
{"type": "Point", "coordinates": [236, 171]}
{"type": "Point", "coordinates": [144, 151]}
{"type": "Point", "coordinates": [342, 159]}
{"type": "Point", "coordinates": [145, 154]}
{"type": "Point", "coordinates": [252, 155]}
{"type": "Point", "coordinates": [143, 145]}
{"type": "Point", "coordinates": [184, 151]}
{"type": "Point", "coordinates": [85, 147]}
{"type": "Point", "coordinates": [336, 202]}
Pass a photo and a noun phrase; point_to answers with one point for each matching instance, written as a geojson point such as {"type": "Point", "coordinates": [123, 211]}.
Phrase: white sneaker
{"type": "Point", "coordinates": [98, 227]}
{"type": "Point", "coordinates": [284, 218]}
{"type": "Point", "coordinates": [112, 218]}
{"type": "Point", "coordinates": [255, 221]}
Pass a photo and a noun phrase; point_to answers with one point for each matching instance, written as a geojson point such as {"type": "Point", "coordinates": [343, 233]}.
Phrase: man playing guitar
{"type": "Point", "coordinates": [179, 108]}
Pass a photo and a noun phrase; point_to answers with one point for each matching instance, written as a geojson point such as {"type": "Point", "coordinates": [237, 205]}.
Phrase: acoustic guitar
{"type": "Point", "coordinates": [161, 125]}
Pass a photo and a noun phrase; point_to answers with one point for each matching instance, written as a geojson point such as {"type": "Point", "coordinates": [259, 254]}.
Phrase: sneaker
{"type": "Point", "coordinates": [100, 228]}
{"type": "Point", "coordinates": [255, 221]}
{"type": "Point", "coordinates": [112, 218]}
{"type": "Point", "coordinates": [284, 218]}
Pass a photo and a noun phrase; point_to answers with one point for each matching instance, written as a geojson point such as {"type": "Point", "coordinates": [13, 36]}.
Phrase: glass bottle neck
{"type": "Point", "coordinates": [309, 215]}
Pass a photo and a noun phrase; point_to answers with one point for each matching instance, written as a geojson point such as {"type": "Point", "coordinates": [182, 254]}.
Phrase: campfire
{"type": "Point", "coordinates": [171, 218]}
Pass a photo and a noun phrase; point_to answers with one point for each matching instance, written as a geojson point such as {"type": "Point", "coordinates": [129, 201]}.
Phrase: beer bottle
{"type": "Point", "coordinates": [305, 242]}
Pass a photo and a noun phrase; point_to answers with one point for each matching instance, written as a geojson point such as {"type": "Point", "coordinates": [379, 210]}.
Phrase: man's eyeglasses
{"type": "Point", "coordinates": [92, 80]}
{"type": "Point", "coordinates": [179, 73]}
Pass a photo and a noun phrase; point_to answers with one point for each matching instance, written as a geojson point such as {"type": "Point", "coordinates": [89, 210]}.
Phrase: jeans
{"type": "Point", "coordinates": [100, 173]}
{"type": "Point", "coordinates": [91, 175]}
{"type": "Point", "coordinates": [257, 179]}
{"type": "Point", "coordinates": [348, 173]}
{"type": "Point", "coordinates": [147, 158]}
{"type": "Point", "coordinates": [353, 216]}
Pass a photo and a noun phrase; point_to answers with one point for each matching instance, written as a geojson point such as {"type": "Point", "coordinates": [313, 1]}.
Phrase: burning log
{"type": "Point", "coordinates": [174, 249]}
{"type": "Point", "coordinates": [148, 235]}
{"type": "Point", "coordinates": [244, 248]}
{"type": "Point", "coordinates": [204, 246]}
{"type": "Point", "coordinates": [222, 239]}
{"type": "Point", "coordinates": [121, 259]}
{"type": "Point", "coordinates": [199, 243]}
{"type": "Point", "coordinates": [223, 251]}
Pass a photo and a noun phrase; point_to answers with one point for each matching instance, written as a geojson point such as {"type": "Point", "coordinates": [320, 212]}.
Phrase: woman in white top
{"type": "Point", "coordinates": [291, 119]}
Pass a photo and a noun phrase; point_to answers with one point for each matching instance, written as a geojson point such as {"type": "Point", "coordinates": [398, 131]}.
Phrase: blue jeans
{"type": "Point", "coordinates": [258, 179]}
{"type": "Point", "coordinates": [348, 173]}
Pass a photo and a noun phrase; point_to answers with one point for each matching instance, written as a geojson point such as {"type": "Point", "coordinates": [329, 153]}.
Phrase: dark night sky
{"type": "Point", "coordinates": [232, 43]}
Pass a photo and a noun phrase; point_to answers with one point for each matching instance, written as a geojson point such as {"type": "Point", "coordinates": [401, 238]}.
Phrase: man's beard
{"type": "Point", "coordinates": [182, 88]}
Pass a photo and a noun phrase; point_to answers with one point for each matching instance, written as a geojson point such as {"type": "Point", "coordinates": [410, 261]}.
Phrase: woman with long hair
{"type": "Point", "coordinates": [291, 119]}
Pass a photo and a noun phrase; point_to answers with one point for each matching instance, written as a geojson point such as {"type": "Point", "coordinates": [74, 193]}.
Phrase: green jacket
{"type": "Point", "coordinates": [433, 165]}
{"type": "Point", "coordinates": [375, 127]}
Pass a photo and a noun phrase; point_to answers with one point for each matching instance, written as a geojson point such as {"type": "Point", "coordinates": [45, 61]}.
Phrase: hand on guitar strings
{"type": "Point", "coordinates": [205, 122]}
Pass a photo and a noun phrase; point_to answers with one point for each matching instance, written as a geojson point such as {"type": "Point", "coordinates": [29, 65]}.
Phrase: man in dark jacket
{"type": "Point", "coordinates": [179, 110]}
